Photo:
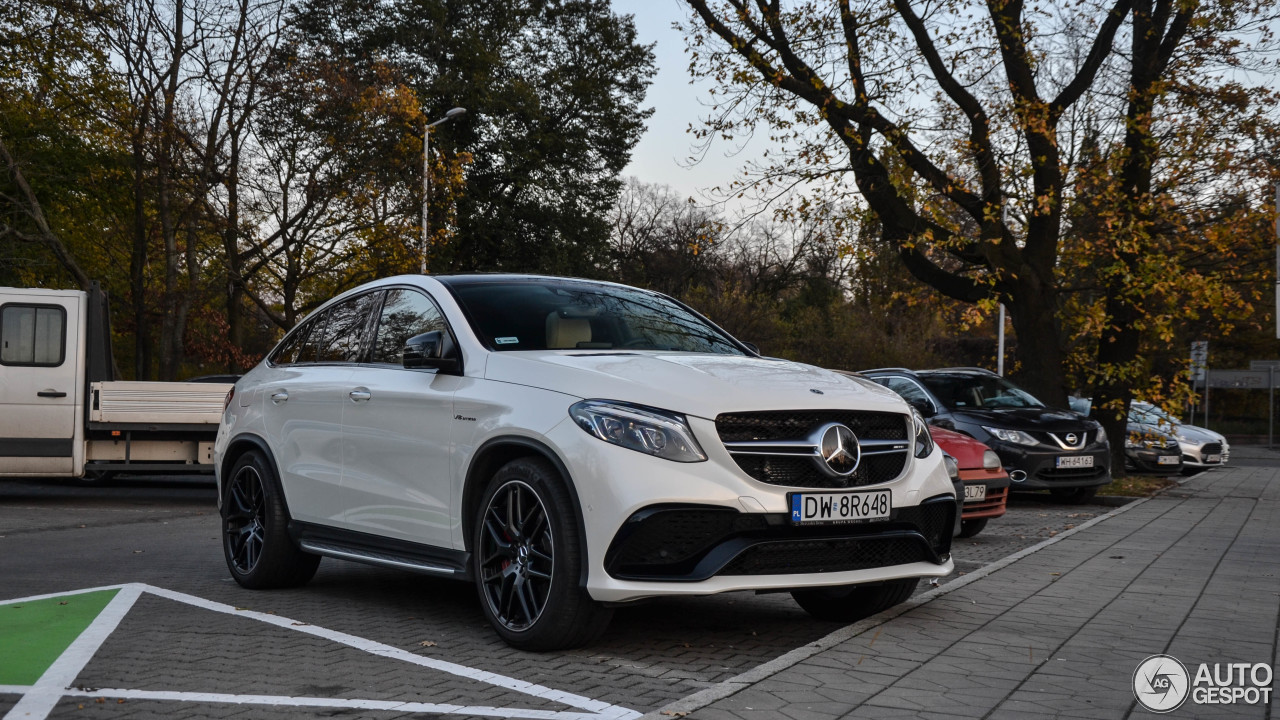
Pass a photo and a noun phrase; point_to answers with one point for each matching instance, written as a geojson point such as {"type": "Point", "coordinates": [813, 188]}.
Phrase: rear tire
{"type": "Point", "coordinates": [527, 560]}
{"type": "Point", "coordinates": [848, 603]}
{"type": "Point", "coordinates": [969, 528]}
{"type": "Point", "coordinates": [1074, 496]}
{"type": "Point", "coordinates": [255, 529]}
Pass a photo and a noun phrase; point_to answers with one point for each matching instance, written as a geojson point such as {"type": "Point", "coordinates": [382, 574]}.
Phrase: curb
{"type": "Point", "coordinates": [725, 688]}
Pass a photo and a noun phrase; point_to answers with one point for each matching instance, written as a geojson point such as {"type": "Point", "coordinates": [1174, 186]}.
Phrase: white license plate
{"type": "Point", "coordinates": [1213, 458]}
{"type": "Point", "coordinates": [846, 507]}
{"type": "Point", "coordinates": [1075, 461]}
{"type": "Point", "coordinates": [1167, 460]}
{"type": "Point", "coordinates": [974, 493]}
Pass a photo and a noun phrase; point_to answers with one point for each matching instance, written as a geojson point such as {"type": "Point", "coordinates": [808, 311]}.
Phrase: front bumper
{"type": "Point", "coordinates": [996, 500]}
{"type": "Point", "coordinates": [1197, 454]}
{"type": "Point", "coordinates": [749, 544]}
{"type": "Point", "coordinates": [692, 543]}
{"type": "Point", "coordinates": [1036, 468]}
{"type": "Point", "coordinates": [1148, 459]}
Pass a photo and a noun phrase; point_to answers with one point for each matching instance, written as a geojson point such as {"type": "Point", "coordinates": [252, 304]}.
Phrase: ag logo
{"type": "Point", "coordinates": [1161, 683]}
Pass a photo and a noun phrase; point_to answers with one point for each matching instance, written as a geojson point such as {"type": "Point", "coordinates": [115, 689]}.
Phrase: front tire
{"type": "Point", "coordinates": [969, 528]}
{"type": "Point", "coordinates": [1074, 496]}
{"type": "Point", "coordinates": [849, 603]}
{"type": "Point", "coordinates": [255, 529]}
{"type": "Point", "coordinates": [527, 561]}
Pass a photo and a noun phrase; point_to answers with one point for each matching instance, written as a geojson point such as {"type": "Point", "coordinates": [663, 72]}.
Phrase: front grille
{"type": "Point", "coordinates": [1083, 438]}
{"type": "Point", "coordinates": [818, 556]}
{"type": "Point", "coordinates": [1212, 448]}
{"type": "Point", "coordinates": [797, 424]}
{"type": "Point", "coordinates": [802, 470]}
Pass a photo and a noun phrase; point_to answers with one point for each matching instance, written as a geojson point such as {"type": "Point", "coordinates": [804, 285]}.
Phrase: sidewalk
{"type": "Point", "coordinates": [1057, 630]}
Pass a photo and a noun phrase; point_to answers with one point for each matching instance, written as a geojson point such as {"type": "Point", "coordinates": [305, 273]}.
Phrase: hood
{"type": "Point", "coordinates": [1043, 419]}
{"type": "Point", "coordinates": [1196, 434]}
{"type": "Point", "coordinates": [691, 383]}
{"type": "Point", "coordinates": [967, 451]}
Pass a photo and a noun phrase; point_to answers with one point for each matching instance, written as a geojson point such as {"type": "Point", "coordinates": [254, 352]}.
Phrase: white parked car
{"type": "Point", "coordinates": [570, 445]}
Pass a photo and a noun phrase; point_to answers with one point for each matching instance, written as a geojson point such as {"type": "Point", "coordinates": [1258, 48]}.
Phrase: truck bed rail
{"type": "Point", "coordinates": [154, 403]}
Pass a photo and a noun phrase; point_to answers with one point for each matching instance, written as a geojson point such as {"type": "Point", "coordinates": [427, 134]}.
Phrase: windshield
{"type": "Point", "coordinates": [558, 314]}
{"type": "Point", "coordinates": [1151, 415]}
{"type": "Point", "coordinates": [966, 390]}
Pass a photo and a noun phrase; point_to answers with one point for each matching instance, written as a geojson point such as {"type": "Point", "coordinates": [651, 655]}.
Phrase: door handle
{"type": "Point", "coordinates": [359, 394]}
{"type": "Point", "coordinates": [279, 396]}
{"type": "Point", "coordinates": [51, 393]}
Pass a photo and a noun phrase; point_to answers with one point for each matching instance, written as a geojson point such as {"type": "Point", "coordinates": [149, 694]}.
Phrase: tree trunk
{"type": "Point", "coordinates": [138, 268]}
{"type": "Point", "coordinates": [1034, 314]}
{"type": "Point", "coordinates": [165, 173]}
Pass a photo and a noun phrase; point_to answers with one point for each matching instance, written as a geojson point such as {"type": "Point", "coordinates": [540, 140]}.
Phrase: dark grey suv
{"type": "Point", "coordinates": [1042, 448]}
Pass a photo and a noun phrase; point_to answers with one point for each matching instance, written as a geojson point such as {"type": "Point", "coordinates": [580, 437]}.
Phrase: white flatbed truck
{"type": "Point", "coordinates": [62, 413]}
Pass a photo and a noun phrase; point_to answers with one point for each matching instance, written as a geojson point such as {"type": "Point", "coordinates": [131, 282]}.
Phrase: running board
{"type": "Point", "coordinates": [384, 552]}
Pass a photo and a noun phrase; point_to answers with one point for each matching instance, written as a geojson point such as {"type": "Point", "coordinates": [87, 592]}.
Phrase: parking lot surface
{"type": "Point", "coordinates": [365, 640]}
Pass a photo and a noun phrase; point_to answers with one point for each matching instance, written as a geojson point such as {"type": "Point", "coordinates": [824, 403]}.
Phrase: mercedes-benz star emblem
{"type": "Point", "coordinates": [840, 451]}
{"type": "Point", "coordinates": [1071, 438]}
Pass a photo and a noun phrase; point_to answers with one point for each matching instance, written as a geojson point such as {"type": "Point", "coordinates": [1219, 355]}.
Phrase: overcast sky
{"type": "Point", "coordinates": [662, 154]}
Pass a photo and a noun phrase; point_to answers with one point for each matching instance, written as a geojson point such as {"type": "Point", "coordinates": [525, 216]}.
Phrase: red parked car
{"type": "Point", "coordinates": [986, 484]}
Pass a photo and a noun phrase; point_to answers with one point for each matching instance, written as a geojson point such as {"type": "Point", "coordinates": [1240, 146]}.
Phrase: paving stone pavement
{"type": "Point", "coordinates": [61, 537]}
{"type": "Point", "coordinates": [1058, 632]}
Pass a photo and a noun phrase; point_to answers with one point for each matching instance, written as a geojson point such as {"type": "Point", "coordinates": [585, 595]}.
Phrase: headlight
{"type": "Point", "coordinates": [924, 441]}
{"type": "Point", "coordinates": [990, 460]}
{"type": "Point", "coordinates": [953, 467]}
{"type": "Point", "coordinates": [646, 430]}
{"type": "Point", "coordinates": [1016, 437]}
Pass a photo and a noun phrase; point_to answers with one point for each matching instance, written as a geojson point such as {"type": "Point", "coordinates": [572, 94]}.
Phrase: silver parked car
{"type": "Point", "coordinates": [1201, 447]}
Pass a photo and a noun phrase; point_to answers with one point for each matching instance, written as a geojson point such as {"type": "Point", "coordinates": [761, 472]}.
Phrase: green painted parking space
{"type": "Point", "coordinates": [33, 634]}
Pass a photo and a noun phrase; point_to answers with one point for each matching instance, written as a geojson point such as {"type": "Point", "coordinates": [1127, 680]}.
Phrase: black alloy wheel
{"type": "Point", "coordinates": [255, 529]}
{"type": "Point", "coordinates": [517, 556]}
{"type": "Point", "coordinates": [245, 520]}
{"type": "Point", "coordinates": [528, 558]}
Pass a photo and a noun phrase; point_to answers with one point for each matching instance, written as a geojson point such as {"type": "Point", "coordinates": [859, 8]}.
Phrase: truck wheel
{"type": "Point", "coordinates": [97, 477]}
{"type": "Point", "coordinates": [255, 535]}
{"type": "Point", "coordinates": [527, 560]}
{"type": "Point", "coordinates": [848, 603]}
{"type": "Point", "coordinates": [1074, 496]}
{"type": "Point", "coordinates": [969, 528]}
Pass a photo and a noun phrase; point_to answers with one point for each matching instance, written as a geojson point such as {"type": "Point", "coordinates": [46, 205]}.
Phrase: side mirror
{"type": "Point", "coordinates": [434, 349]}
{"type": "Point", "coordinates": [752, 347]}
{"type": "Point", "coordinates": [926, 408]}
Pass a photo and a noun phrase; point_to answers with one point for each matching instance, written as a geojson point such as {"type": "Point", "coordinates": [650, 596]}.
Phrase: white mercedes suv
{"type": "Point", "coordinates": [568, 446]}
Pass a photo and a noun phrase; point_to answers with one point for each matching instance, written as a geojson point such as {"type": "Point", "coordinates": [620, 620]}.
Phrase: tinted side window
{"type": "Point", "coordinates": [907, 389]}
{"type": "Point", "coordinates": [336, 335]}
{"type": "Point", "coordinates": [287, 353]}
{"type": "Point", "coordinates": [405, 313]}
{"type": "Point", "coordinates": [33, 335]}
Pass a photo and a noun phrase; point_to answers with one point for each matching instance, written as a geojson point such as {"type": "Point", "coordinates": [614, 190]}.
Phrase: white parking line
{"type": "Point", "coordinates": [39, 699]}
{"type": "Point", "coordinates": [49, 689]}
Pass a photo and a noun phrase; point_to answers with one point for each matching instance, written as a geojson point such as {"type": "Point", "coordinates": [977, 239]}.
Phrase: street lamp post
{"type": "Point", "coordinates": [426, 177]}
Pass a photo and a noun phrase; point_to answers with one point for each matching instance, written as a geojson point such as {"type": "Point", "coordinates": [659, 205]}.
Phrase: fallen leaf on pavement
{"type": "Point", "coordinates": [428, 643]}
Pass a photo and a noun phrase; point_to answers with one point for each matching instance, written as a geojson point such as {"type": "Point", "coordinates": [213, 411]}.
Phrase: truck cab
{"type": "Point", "coordinates": [62, 413]}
